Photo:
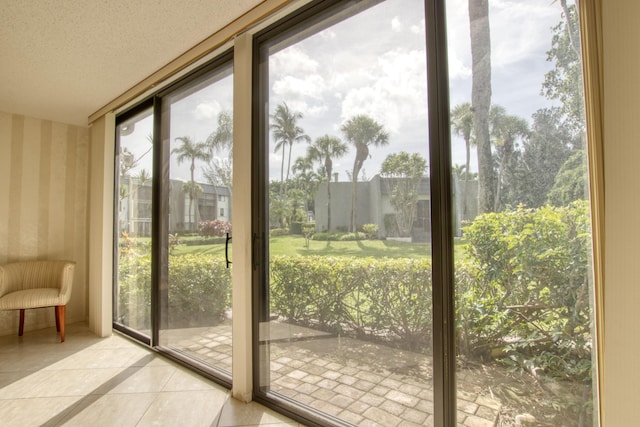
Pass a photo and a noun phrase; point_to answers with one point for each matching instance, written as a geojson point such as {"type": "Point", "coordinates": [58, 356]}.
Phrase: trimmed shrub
{"type": "Point", "coordinates": [385, 298]}
{"type": "Point", "coordinates": [199, 291]}
{"type": "Point", "coordinates": [370, 230]}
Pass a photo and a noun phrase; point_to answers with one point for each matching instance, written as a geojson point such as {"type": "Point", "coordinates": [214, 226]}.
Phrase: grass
{"type": "Point", "coordinates": [295, 246]}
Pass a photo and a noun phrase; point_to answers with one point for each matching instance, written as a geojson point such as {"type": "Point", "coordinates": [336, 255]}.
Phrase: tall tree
{"type": "Point", "coordinates": [506, 130]}
{"type": "Point", "coordinates": [221, 138]}
{"type": "Point", "coordinates": [324, 150]}
{"type": "Point", "coordinates": [306, 179]}
{"type": "Point", "coordinates": [543, 153]}
{"type": "Point", "coordinates": [286, 132]}
{"type": "Point", "coordinates": [220, 169]}
{"type": "Point", "coordinates": [481, 98]}
{"type": "Point", "coordinates": [462, 123]}
{"type": "Point", "coordinates": [361, 131]}
{"type": "Point", "coordinates": [191, 151]}
{"type": "Point", "coordinates": [564, 81]}
{"type": "Point", "coordinates": [404, 171]}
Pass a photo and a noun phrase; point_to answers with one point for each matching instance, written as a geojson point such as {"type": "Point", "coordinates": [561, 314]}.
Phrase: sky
{"type": "Point", "coordinates": [374, 63]}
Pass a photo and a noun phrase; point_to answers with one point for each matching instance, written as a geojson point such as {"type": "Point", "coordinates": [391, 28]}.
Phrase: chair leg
{"type": "Point", "coordinates": [21, 327]}
{"type": "Point", "coordinates": [57, 309]}
{"type": "Point", "coordinates": [60, 312]}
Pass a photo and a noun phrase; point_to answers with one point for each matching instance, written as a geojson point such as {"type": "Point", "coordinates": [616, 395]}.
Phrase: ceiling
{"type": "Point", "coordinates": [62, 60]}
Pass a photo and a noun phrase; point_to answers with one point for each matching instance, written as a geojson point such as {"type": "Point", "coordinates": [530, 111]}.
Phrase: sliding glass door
{"type": "Point", "coordinates": [419, 246]}
{"type": "Point", "coordinates": [133, 220]}
{"type": "Point", "coordinates": [345, 304]}
{"type": "Point", "coordinates": [185, 310]}
{"type": "Point", "coordinates": [195, 302]}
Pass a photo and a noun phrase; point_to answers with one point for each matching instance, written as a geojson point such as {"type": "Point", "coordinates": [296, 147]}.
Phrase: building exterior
{"type": "Point", "coordinates": [134, 218]}
{"type": "Point", "coordinates": [374, 207]}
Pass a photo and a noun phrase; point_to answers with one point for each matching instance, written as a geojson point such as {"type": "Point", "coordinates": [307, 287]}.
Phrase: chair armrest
{"type": "Point", "coordinates": [66, 279]}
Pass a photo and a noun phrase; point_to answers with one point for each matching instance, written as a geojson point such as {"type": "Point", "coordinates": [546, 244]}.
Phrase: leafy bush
{"type": "Point", "coordinates": [384, 298]}
{"type": "Point", "coordinates": [274, 232]}
{"type": "Point", "coordinates": [524, 297]}
{"type": "Point", "coordinates": [199, 291]}
{"type": "Point", "coordinates": [349, 237]}
{"type": "Point", "coordinates": [205, 241]}
{"type": "Point", "coordinates": [215, 228]}
{"type": "Point", "coordinates": [370, 230]}
{"type": "Point", "coordinates": [324, 237]}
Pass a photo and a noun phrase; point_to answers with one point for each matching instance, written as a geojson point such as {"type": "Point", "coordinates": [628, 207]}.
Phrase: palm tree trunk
{"type": "Point", "coordinates": [354, 197]}
{"type": "Point", "coordinates": [329, 204]}
{"type": "Point", "coordinates": [282, 171]}
{"type": "Point", "coordinates": [465, 193]}
{"type": "Point", "coordinates": [481, 98]}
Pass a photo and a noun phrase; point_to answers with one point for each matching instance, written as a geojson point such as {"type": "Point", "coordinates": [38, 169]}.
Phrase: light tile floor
{"type": "Point", "coordinates": [91, 381]}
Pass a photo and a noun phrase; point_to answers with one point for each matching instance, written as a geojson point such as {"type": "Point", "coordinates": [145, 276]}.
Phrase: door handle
{"type": "Point", "coordinates": [226, 250]}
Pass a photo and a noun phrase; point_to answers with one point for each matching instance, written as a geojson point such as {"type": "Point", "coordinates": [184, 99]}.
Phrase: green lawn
{"type": "Point", "coordinates": [295, 245]}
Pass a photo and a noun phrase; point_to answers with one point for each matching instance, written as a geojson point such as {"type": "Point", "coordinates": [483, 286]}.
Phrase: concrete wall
{"type": "Point", "coordinates": [43, 205]}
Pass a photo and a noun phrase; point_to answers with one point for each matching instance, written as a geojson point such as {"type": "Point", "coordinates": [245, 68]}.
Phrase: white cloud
{"type": "Point", "coordinates": [309, 86]}
{"type": "Point", "coordinates": [395, 93]}
{"type": "Point", "coordinates": [396, 25]}
{"type": "Point", "coordinates": [293, 61]}
{"type": "Point", "coordinates": [457, 69]}
{"type": "Point", "coordinates": [207, 111]}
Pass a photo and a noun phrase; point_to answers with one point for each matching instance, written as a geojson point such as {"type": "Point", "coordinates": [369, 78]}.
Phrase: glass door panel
{"type": "Point", "coordinates": [195, 304]}
{"type": "Point", "coordinates": [346, 309]}
{"type": "Point", "coordinates": [524, 302]}
{"type": "Point", "coordinates": [134, 172]}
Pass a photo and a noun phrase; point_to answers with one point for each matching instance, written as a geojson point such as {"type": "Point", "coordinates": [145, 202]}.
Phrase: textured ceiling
{"type": "Point", "coordinates": [64, 59]}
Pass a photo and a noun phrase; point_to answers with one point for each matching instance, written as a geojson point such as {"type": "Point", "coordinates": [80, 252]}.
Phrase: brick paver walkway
{"type": "Point", "coordinates": [361, 382]}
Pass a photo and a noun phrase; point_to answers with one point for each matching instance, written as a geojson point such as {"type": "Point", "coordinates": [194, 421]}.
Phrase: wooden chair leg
{"type": "Point", "coordinates": [60, 313]}
{"type": "Point", "coordinates": [57, 309]}
{"type": "Point", "coordinates": [21, 327]}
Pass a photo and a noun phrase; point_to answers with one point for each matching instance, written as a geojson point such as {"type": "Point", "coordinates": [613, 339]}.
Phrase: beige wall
{"type": "Point", "coordinates": [43, 204]}
{"type": "Point", "coordinates": [622, 190]}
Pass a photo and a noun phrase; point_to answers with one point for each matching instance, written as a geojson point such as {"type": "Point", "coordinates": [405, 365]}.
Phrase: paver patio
{"type": "Point", "coordinates": [361, 382]}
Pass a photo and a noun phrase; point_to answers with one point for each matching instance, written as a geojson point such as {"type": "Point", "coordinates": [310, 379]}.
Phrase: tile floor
{"type": "Point", "coordinates": [91, 381]}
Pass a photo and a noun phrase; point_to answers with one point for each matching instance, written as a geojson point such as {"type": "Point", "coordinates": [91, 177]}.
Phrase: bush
{"type": "Point", "coordinates": [370, 230]}
{"type": "Point", "coordinates": [274, 232]}
{"type": "Point", "coordinates": [524, 296]}
{"type": "Point", "coordinates": [199, 291]}
{"type": "Point", "coordinates": [349, 237]}
{"type": "Point", "coordinates": [385, 298]}
{"type": "Point", "coordinates": [215, 228]}
{"type": "Point", "coordinates": [204, 241]}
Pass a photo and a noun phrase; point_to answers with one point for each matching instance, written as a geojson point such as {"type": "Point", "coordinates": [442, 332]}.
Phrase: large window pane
{"type": "Point", "coordinates": [346, 310]}
{"type": "Point", "coordinates": [195, 305]}
{"type": "Point", "coordinates": [523, 242]}
{"type": "Point", "coordinates": [132, 305]}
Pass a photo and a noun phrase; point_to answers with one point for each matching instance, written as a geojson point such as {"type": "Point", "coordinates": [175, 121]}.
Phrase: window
{"type": "Point", "coordinates": [172, 291]}
{"type": "Point", "coordinates": [420, 235]}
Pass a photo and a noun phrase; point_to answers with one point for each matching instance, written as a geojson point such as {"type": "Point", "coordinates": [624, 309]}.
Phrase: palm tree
{"type": "Point", "coordinates": [222, 137]}
{"type": "Point", "coordinates": [286, 131]}
{"type": "Point", "coordinates": [481, 98]}
{"type": "Point", "coordinates": [462, 122]}
{"type": "Point", "coordinates": [362, 131]}
{"type": "Point", "coordinates": [324, 150]}
{"type": "Point", "coordinates": [505, 129]}
{"type": "Point", "coordinates": [191, 151]}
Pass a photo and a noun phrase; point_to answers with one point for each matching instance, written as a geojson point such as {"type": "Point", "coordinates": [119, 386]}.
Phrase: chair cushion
{"type": "Point", "coordinates": [32, 298]}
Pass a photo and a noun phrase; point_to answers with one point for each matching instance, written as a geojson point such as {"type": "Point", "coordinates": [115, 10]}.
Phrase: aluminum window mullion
{"type": "Point", "coordinates": [444, 360]}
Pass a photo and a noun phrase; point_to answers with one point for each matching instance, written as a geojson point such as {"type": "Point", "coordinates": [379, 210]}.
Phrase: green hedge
{"type": "Point", "coordinates": [522, 292]}
{"type": "Point", "coordinates": [384, 298]}
{"type": "Point", "coordinates": [199, 291]}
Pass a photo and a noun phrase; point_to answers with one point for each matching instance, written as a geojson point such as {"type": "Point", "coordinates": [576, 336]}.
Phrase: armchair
{"type": "Point", "coordinates": [35, 284]}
